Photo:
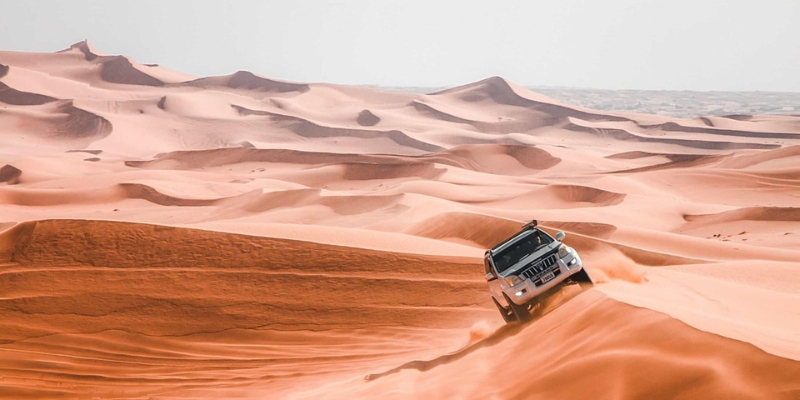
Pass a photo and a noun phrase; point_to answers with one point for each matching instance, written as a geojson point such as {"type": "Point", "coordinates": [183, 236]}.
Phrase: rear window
{"type": "Point", "coordinates": [524, 245]}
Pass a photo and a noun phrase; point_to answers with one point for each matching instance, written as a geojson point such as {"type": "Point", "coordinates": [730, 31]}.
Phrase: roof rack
{"type": "Point", "coordinates": [530, 225]}
{"type": "Point", "coordinates": [527, 226]}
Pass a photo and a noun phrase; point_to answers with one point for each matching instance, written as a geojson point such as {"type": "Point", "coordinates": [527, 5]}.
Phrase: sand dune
{"type": "Point", "coordinates": [365, 171]}
{"type": "Point", "coordinates": [144, 192]}
{"type": "Point", "coordinates": [55, 121]}
{"type": "Point", "coordinates": [671, 358]}
{"type": "Point", "coordinates": [46, 116]}
{"type": "Point", "coordinates": [245, 80]}
{"type": "Point", "coordinates": [367, 118]}
{"type": "Point", "coordinates": [10, 174]}
{"type": "Point", "coordinates": [121, 70]}
{"type": "Point", "coordinates": [495, 159]}
{"type": "Point", "coordinates": [88, 50]}
{"type": "Point", "coordinates": [499, 90]}
{"type": "Point", "coordinates": [169, 236]}
{"type": "Point", "coordinates": [695, 143]}
{"type": "Point", "coordinates": [433, 112]}
{"type": "Point", "coordinates": [212, 287]}
{"type": "Point", "coordinates": [675, 127]}
{"type": "Point", "coordinates": [9, 95]}
{"type": "Point", "coordinates": [776, 158]}
{"type": "Point", "coordinates": [309, 129]}
{"type": "Point", "coordinates": [562, 196]}
{"type": "Point", "coordinates": [750, 214]}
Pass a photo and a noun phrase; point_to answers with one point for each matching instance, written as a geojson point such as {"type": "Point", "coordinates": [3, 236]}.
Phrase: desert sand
{"type": "Point", "coordinates": [167, 236]}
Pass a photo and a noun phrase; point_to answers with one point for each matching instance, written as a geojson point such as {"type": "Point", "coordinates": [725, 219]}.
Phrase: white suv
{"type": "Point", "coordinates": [526, 267]}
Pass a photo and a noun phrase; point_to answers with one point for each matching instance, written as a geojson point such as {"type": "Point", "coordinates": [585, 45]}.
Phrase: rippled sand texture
{"type": "Point", "coordinates": [171, 237]}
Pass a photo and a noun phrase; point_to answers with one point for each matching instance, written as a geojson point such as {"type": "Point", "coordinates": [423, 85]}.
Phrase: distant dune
{"type": "Point", "coordinates": [170, 236]}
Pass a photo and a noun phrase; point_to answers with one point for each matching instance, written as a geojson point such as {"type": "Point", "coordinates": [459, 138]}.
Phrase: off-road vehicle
{"type": "Point", "coordinates": [524, 269]}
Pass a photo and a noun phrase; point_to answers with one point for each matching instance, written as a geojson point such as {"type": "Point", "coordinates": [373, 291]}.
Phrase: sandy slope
{"type": "Point", "coordinates": [239, 236]}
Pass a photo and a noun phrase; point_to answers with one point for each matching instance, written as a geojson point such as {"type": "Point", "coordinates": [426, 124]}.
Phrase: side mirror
{"type": "Point", "coordinates": [490, 277]}
{"type": "Point", "coordinates": [560, 236]}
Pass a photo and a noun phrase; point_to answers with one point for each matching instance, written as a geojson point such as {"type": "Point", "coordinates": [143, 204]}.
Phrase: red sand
{"type": "Point", "coordinates": [238, 236]}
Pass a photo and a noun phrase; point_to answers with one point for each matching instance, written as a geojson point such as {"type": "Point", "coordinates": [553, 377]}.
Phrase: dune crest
{"type": "Point", "coordinates": [493, 88]}
{"type": "Point", "coordinates": [751, 214]}
{"type": "Point", "coordinates": [501, 91]}
{"type": "Point", "coordinates": [144, 192]}
{"type": "Point", "coordinates": [58, 121]}
{"type": "Point", "coordinates": [246, 80]}
{"type": "Point", "coordinates": [89, 52]}
{"type": "Point", "coordinates": [10, 174]}
{"type": "Point", "coordinates": [367, 118]}
{"type": "Point", "coordinates": [119, 69]}
{"type": "Point", "coordinates": [15, 97]}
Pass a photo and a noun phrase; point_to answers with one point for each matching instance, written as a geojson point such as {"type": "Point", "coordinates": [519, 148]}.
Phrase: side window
{"type": "Point", "coordinates": [486, 266]}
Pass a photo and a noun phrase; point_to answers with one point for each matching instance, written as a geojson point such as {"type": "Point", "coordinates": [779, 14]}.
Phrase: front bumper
{"type": "Point", "coordinates": [525, 291]}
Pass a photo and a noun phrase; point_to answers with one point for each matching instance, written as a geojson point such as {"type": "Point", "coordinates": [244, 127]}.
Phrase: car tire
{"type": "Point", "coordinates": [508, 315]}
{"type": "Point", "coordinates": [521, 312]}
{"type": "Point", "coordinates": [582, 278]}
{"type": "Point", "coordinates": [536, 308]}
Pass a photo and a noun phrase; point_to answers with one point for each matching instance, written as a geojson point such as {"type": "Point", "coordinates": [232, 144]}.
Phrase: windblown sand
{"type": "Point", "coordinates": [165, 236]}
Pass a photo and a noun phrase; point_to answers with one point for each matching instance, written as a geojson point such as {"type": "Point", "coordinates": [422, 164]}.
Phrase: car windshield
{"type": "Point", "coordinates": [523, 246]}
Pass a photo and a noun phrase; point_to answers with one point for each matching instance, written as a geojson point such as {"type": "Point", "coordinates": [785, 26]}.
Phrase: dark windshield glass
{"type": "Point", "coordinates": [521, 248]}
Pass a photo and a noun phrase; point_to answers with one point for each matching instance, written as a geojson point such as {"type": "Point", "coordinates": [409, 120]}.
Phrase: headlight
{"type": "Point", "coordinates": [513, 280]}
{"type": "Point", "coordinates": [564, 250]}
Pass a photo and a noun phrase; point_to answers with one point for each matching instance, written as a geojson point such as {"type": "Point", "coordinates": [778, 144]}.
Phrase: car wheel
{"type": "Point", "coordinates": [521, 312]}
{"type": "Point", "coordinates": [508, 315]}
{"type": "Point", "coordinates": [536, 308]}
{"type": "Point", "coordinates": [582, 278]}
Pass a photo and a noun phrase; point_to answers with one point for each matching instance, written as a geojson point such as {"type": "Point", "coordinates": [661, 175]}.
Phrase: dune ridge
{"type": "Point", "coordinates": [246, 80]}
{"type": "Point", "coordinates": [89, 52]}
{"type": "Point", "coordinates": [501, 91]}
{"type": "Point", "coordinates": [309, 129]}
{"type": "Point", "coordinates": [751, 214]}
{"type": "Point", "coordinates": [473, 157]}
{"type": "Point", "coordinates": [625, 135]}
{"type": "Point", "coordinates": [10, 174]}
{"type": "Point", "coordinates": [430, 110]}
{"type": "Point", "coordinates": [57, 120]}
{"type": "Point", "coordinates": [367, 118]}
{"type": "Point", "coordinates": [15, 97]}
{"type": "Point", "coordinates": [675, 127]}
{"type": "Point", "coordinates": [119, 69]}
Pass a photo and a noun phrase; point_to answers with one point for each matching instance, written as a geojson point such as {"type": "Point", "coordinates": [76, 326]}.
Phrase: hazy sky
{"type": "Point", "coordinates": [614, 44]}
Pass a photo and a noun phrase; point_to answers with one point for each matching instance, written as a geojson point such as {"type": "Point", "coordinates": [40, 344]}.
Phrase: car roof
{"type": "Point", "coordinates": [507, 242]}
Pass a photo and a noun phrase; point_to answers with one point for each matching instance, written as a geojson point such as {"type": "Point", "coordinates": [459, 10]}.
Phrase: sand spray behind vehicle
{"type": "Point", "coordinates": [606, 263]}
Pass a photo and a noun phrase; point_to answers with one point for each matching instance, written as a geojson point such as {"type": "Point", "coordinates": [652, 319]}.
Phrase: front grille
{"type": "Point", "coordinates": [540, 267]}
